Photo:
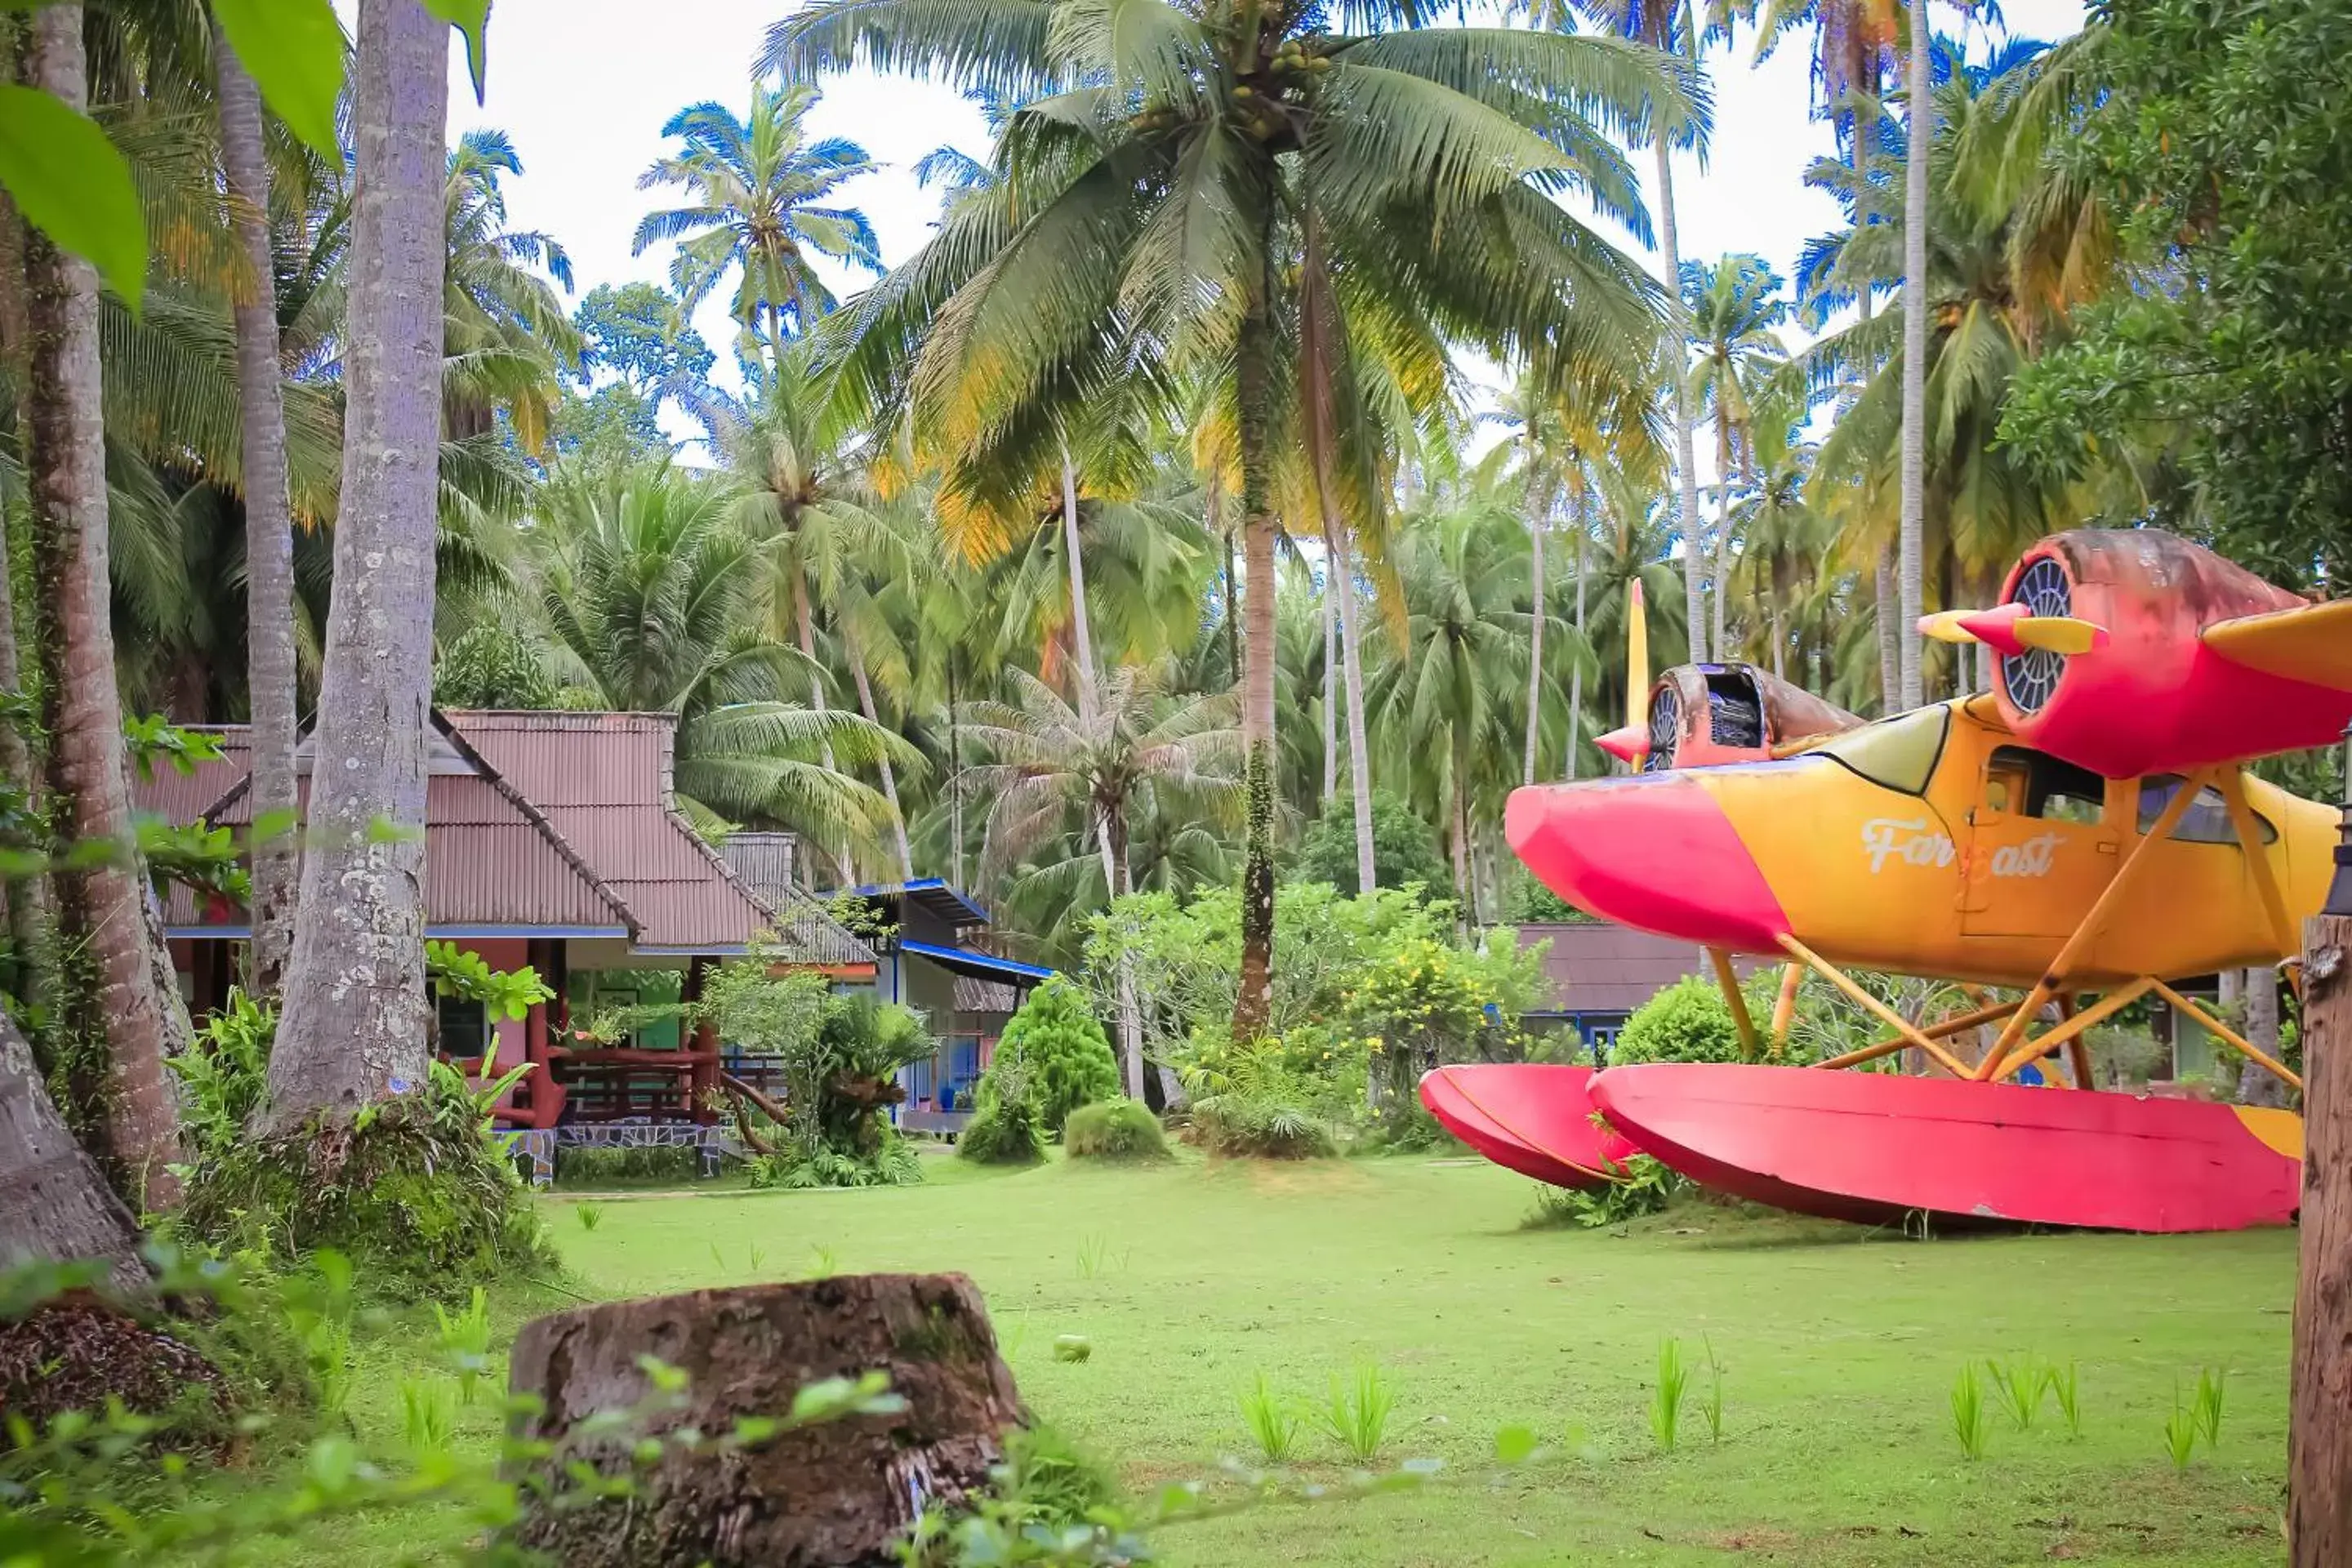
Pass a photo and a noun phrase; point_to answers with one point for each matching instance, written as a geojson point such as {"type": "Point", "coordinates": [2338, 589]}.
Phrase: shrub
{"type": "Point", "coordinates": [1240, 1125]}
{"type": "Point", "coordinates": [1646, 1188]}
{"type": "Point", "coordinates": [416, 1188]}
{"type": "Point", "coordinates": [592, 1166]}
{"type": "Point", "coordinates": [1055, 1044]}
{"type": "Point", "coordinates": [800, 1162]}
{"type": "Point", "coordinates": [224, 1074]}
{"type": "Point", "coordinates": [1115, 1129]}
{"type": "Point", "coordinates": [1686, 1022]}
{"type": "Point", "coordinates": [1006, 1130]}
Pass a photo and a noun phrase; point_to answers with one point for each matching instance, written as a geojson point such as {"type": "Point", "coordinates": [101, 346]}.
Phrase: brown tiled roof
{"type": "Point", "coordinates": [1600, 968]}
{"type": "Point", "coordinates": [603, 780]}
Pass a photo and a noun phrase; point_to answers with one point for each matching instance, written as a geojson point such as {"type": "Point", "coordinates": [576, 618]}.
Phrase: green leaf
{"type": "Point", "coordinates": [74, 187]}
{"type": "Point", "coordinates": [471, 17]}
{"type": "Point", "coordinates": [294, 50]}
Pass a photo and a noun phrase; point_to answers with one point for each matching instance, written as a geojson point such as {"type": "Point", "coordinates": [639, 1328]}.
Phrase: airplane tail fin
{"type": "Point", "coordinates": [2311, 643]}
{"type": "Point", "coordinates": [1630, 744]}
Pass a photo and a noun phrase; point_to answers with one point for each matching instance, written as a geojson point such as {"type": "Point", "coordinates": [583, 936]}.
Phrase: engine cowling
{"type": "Point", "coordinates": [2150, 695]}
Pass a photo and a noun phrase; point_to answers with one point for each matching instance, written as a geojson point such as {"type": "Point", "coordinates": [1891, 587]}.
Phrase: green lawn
{"type": "Point", "coordinates": [1839, 1352]}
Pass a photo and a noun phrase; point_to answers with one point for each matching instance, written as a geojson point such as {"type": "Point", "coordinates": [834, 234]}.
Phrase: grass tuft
{"type": "Point", "coordinates": [1271, 1420]}
{"type": "Point", "coordinates": [1667, 1398]}
{"type": "Point", "coordinates": [1968, 1418]}
{"type": "Point", "coordinates": [1356, 1415]}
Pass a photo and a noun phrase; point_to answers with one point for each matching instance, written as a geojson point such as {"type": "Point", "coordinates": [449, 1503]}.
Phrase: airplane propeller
{"type": "Point", "coordinates": [2011, 629]}
{"type": "Point", "coordinates": [1630, 744]}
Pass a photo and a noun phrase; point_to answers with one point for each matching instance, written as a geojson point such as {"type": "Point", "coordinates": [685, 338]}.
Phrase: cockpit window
{"type": "Point", "coordinates": [2207, 820]}
{"type": "Point", "coordinates": [1897, 753]}
{"type": "Point", "coordinates": [2026, 782]}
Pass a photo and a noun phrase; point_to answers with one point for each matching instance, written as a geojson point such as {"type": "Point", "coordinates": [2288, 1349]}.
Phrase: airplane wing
{"type": "Point", "coordinates": [2311, 643]}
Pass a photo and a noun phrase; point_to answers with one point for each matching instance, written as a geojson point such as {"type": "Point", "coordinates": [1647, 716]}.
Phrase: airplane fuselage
{"type": "Point", "coordinates": [1935, 843]}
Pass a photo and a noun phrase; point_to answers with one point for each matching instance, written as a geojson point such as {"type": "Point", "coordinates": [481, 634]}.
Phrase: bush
{"type": "Point", "coordinates": [1115, 1129]}
{"type": "Point", "coordinates": [590, 1166]}
{"type": "Point", "coordinates": [1055, 1044]}
{"type": "Point", "coordinates": [224, 1075]}
{"type": "Point", "coordinates": [1005, 1130]}
{"type": "Point", "coordinates": [1237, 1125]}
{"type": "Point", "coordinates": [799, 1163]}
{"type": "Point", "coordinates": [1646, 1188]}
{"type": "Point", "coordinates": [1686, 1022]}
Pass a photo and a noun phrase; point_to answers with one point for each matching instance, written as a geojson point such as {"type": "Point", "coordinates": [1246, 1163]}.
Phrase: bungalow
{"type": "Point", "coordinates": [1601, 973]}
{"type": "Point", "coordinates": [554, 839]}
{"type": "Point", "coordinates": [933, 958]}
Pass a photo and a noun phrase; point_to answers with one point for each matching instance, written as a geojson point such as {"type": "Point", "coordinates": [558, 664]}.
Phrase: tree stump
{"type": "Point", "coordinates": [835, 1495]}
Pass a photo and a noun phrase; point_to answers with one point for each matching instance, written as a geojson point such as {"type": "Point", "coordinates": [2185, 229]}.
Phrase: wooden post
{"type": "Point", "coordinates": [2319, 1420]}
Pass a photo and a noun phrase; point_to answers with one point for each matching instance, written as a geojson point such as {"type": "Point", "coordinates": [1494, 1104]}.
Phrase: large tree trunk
{"type": "Point", "coordinates": [1351, 662]}
{"type": "Point", "coordinates": [55, 1205]}
{"type": "Point", "coordinates": [269, 527]}
{"type": "Point", "coordinates": [33, 975]}
{"type": "Point", "coordinates": [841, 1493]}
{"type": "Point", "coordinates": [1686, 483]}
{"type": "Point", "coordinates": [889, 773]}
{"type": "Point", "coordinates": [1534, 635]}
{"type": "Point", "coordinates": [355, 1024]}
{"type": "Point", "coordinates": [1253, 998]}
{"type": "Point", "coordinates": [1576, 674]}
{"type": "Point", "coordinates": [1912, 548]}
{"type": "Point", "coordinates": [2320, 1399]}
{"type": "Point", "coordinates": [100, 918]}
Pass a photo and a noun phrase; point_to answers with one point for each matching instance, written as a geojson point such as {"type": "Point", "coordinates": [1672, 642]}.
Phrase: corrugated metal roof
{"type": "Point", "coordinates": [492, 858]}
{"type": "Point", "coordinates": [181, 798]}
{"type": "Point", "coordinates": [1595, 968]}
{"type": "Point", "coordinates": [603, 781]}
{"type": "Point", "coordinates": [764, 863]}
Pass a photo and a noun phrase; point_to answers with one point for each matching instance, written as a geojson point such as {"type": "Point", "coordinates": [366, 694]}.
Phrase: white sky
{"type": "Point", "coordinates": [584, 86]}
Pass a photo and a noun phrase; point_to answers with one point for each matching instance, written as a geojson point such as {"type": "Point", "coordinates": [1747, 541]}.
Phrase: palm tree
{"type": "Point", "coordinates": [651, 596]}
{"type": "Point", "coordinates": [803, 468]}
{"type": "Point", "coordinates": [1054, 764]}
{"type": "Point", "coordinates": [1239, 195]}
{"type": "Point", "coordinates": [508, 341]}
{"type": "Point", "coordinates": [1445, 702]}
{"type": "Point", "coordinates": [101, 907]}
{"type": "Point", "coordinates": [268, 523]}
{"type": "Point", "coordinates": [353, 1027]}
{"type": "Point", "coordinates": [1733, 306]}
{"type": "Point", "coordinates": [759, 207]}
{"type": "Point", "coordinates": [1666, 25]}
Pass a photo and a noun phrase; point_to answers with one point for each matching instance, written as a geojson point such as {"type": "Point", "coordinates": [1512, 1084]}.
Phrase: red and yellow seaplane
{"type": "Point", "coordinates": [2084, 835]}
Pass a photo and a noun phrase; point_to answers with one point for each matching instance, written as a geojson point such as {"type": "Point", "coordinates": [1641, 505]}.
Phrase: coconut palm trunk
{"type": "Point", "coordinates": [61, 1209]}
{"type": "Point", "coordinates": [100, 921]}
{"type": "Point", "coordinates": [1352, 670]}
{"type": "Point", "coordinates": [353, 1029]}
{"type": "Point", "coordinates": [1686, 481]}
{"type": "Point", "coordinates": [1912, 549]}
{"type": "Point", "coordinates": [1724, 442]}
{"type": "Point", "coordinates": [805, 628]}
{"type": "Point", "coordinates": [1890, 633]}
{"type": "Point", "coordinates": [1253, 998]}
{"type": "Point", "coordinates": [1576, 674]}
{"type": "Point", "coordinates": [1535, 633]}
{"type": "Point", "coordinates": [1330, 686]}
{"type": "Point", "coordinates": [889, 773]}
{"type": "Point", "coordinates": [268, 526]}
{"type": "Point", "coordinates": [1110, 832]}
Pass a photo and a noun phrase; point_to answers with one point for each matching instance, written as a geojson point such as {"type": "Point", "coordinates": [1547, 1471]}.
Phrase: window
{"type": "Point", "coordinates": [465, 1027]}
{"type": "Point", "coordinates": [2022, 783]}
{"type": "Point", "coordinates": [2207, 820]}
{"type": "Point", "coordinates": [1897, 753]}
